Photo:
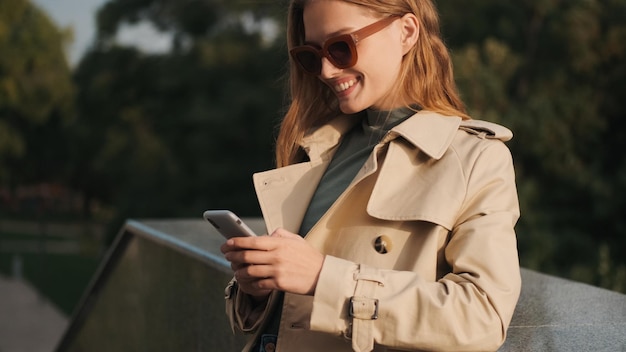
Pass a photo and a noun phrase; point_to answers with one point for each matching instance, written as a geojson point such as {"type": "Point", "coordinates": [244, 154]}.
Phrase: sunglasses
{"type": "Point", "coordinates": [339, 50]}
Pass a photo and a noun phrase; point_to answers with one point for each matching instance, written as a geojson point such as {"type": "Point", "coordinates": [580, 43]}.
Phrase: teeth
{"type": "Point", "coordinates": [345, 85]}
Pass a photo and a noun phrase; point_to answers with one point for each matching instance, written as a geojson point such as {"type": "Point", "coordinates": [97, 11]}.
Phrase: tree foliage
{"type": "Point", "coordinates": [36, 94]}
{"type": "Point", "coordinates": [554, 72]}
{"type": "Point", "coordinates": [172, 134]}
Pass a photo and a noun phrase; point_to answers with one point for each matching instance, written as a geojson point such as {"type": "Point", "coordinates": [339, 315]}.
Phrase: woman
{"type": "Point", "coordinates": [391, 213]}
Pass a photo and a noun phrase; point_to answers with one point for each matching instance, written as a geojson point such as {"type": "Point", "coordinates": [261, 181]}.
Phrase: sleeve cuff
{"type": "Point", "coordinates": [334, 288]}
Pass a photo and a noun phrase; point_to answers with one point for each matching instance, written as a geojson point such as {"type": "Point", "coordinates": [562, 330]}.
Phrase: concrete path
{"type": "Point", "coordinates": [28, 322]}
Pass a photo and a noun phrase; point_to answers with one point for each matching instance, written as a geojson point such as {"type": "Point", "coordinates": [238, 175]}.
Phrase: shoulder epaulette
{"type": "Point", "coordinates": [486, 129]}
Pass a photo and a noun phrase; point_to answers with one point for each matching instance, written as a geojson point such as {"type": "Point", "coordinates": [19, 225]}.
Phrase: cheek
{"type": "Point", "coordinates": [383, 61]}
{"type": "Point", "coordinates": [384, 71]}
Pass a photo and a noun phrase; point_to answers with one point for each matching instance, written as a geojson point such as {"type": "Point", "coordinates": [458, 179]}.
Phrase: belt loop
{"type": "Point", "coordinates": [363, 309]}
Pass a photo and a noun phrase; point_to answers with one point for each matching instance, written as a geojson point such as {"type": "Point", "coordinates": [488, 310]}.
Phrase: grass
{"type": "Point", "coordinates": [61, 278]}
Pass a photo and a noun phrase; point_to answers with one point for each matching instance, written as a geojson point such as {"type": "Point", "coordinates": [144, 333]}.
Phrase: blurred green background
{"type": "Point", "coordinates": [124, 133]}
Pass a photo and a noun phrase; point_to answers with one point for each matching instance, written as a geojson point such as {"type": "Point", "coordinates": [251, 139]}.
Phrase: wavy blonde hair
{"type": "Point", "coordinates": [425, 78]}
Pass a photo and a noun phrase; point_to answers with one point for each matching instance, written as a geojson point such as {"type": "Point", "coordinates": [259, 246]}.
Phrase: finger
{"type": "Point", "coordinates": [280, 232]}
{"type": "Point", "coordinates": [249, 257]}
{"type": "Point", "coordinates": [233, 245]}
{"type": "Point", "coordinates": [238, 266]}
{"type": "Point", "coordinates": [226, 247]}
{"type": "Point", "coordinates": [253, 288]}
{"type": "Point", "coordinates": [262, 243]}
{"type": "Point", "coordinates": [253, 273]}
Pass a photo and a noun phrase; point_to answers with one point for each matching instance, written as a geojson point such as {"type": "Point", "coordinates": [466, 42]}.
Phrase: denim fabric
{"type": "Point", "coordinates": [268, 343]}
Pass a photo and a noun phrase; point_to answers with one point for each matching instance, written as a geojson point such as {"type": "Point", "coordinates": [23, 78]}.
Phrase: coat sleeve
{"type": "Point", "coordinates": [468, 309]}
{"type": "Point", "coordinates": [243, 314]}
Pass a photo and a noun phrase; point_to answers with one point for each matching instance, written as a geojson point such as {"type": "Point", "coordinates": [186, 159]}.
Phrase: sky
{"type": "Point", "coordinates": [80, 16]}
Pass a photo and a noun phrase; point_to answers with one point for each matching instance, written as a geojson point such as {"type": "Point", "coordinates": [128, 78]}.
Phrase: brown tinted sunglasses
{"type": "Point", "coordinates": [340, 50]}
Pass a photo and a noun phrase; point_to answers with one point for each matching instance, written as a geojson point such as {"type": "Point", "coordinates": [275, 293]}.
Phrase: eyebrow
{"type": "Point", "coordinates": [332, 35]}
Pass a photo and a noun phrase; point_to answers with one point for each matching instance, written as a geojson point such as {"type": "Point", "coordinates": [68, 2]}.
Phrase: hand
{"type": "Point", "coordinates": [281, 261]}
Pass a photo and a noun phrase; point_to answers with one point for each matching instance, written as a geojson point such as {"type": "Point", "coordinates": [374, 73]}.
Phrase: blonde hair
{"type": "Point", "coordinates": [425, 78]}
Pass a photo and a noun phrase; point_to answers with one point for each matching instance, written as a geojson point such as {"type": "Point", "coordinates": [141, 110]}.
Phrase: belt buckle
{"type": "Point", "coordinates": [363, 301]}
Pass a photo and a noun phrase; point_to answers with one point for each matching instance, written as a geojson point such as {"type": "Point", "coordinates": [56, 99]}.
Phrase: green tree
{"type": "Point", "coordinates": [176, 133]}
{"type": "Point", "coordinates": [554, 71]}
{"type": "Point", "coordinates": [173, 134]}
{"type": "Point", "coordinates": [36, 95]}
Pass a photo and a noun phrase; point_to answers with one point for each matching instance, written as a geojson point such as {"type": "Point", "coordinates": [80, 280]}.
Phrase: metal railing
{"type": "Point", "coordinates": [161, 288]}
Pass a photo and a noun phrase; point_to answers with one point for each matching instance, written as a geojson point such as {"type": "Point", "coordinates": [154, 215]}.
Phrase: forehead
{"type": "Point", "coordinates": [326, 18]}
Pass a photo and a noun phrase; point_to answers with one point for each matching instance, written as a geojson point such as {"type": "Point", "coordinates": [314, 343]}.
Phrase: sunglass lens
{"type": "Point", "coordinates": [340, 52]}
{"type": "Point", "coordinates": [309, 60]}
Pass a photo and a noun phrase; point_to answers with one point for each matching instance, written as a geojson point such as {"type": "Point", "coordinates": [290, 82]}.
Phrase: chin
{"type": "Point", "coordinates": [351, 108]}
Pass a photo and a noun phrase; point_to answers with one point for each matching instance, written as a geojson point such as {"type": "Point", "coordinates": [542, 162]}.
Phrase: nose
{"type": "Point", "coordinates": [328, 69]}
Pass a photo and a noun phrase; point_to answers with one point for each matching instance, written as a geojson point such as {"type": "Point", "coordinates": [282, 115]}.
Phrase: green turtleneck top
{"type": "Point", "coordinates": [355, 147]}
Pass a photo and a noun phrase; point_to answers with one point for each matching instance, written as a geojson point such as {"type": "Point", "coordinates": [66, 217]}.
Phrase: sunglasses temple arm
{"type": "Point", "coordinates": [372, 28]}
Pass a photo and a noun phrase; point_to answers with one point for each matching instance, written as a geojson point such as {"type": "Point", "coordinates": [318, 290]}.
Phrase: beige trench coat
{"type": "Point", "coordinates": [420, 250]}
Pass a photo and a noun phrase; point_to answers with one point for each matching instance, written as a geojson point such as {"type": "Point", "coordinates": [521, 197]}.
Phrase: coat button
{"type": "Point", "coordinates": [382, 244]}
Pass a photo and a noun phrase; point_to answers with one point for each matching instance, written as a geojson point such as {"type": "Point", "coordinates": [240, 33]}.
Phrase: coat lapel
{"type": "Point", "coordinates": [430, 132]}
{"type": "Point", "coordinates": [437, 184]}
{"type": "Point", "coordinates": [284, 194]}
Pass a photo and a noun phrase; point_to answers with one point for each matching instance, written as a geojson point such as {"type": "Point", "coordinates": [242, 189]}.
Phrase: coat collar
{"type": "Point", "coordinates": [317, 143]}
{"type": "Point", "coordinates": [429, 131]}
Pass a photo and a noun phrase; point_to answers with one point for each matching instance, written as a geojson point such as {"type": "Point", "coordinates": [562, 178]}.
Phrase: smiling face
{"type": "Point", "coordinates": [371, 81]}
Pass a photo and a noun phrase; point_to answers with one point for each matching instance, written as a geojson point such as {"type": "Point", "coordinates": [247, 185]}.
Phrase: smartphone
{"type": "Point", "coordinates": [228, 224]}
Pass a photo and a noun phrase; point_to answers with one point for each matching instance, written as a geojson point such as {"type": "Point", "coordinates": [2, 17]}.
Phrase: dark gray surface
{"type": "Point", "coordinates": [554, 314]}
{"type": "Point", "coordinates": [162, 287]}
{"type": "Point", "coordinates": [155, 292]}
